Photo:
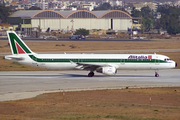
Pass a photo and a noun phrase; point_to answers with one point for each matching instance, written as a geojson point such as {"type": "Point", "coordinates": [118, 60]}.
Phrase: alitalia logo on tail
{"type": "Point", "coordinates": [19, 49]}
{"type": "Point", "coordinates": [17, 45]}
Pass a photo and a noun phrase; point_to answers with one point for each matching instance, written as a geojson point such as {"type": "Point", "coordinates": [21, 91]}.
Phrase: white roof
{"type": "Point", "coordinates": [25, 13]}
{"type": "Point", "coordinates": [31, 13]}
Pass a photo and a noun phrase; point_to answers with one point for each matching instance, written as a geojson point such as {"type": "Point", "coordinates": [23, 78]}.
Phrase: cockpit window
{"type": "Point", "coordinates": [167, 59]}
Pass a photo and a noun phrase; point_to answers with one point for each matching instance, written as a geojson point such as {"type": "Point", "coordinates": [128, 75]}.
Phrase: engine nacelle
{"type": "Point", "coordinates": [107, 70]}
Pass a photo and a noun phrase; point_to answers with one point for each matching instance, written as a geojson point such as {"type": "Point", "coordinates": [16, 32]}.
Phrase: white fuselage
{"type": "Point", "coordinates": [119, 61]}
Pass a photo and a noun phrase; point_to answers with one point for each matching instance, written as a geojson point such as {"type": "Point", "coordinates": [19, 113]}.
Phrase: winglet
{"type": "Point", "coordinates": [17, 44]}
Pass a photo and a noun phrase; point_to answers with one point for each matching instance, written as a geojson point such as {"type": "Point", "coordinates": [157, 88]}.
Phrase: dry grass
{"type": "Point", "coordinates": [123, 104]}
{"type": "Point", "coordinates": [55, 46]}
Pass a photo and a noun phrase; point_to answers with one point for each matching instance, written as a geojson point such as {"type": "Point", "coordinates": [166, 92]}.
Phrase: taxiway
{"type": "Point", "coordinates": [16, 85]}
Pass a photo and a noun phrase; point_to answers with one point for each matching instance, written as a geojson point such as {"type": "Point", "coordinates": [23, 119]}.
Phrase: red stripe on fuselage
{"type": "Point", "coordinates": [19, 49]}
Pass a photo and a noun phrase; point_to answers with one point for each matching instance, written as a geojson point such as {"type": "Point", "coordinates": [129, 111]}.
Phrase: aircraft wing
{"type": "Point", "coordinates": [89, 66]}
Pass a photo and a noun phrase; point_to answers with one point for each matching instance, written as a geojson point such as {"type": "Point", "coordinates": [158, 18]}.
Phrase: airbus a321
{"type": "Point", "coordinates": [107, 64]}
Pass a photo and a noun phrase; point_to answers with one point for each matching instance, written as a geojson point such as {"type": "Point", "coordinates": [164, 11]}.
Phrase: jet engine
{"type": "Point", "coordinates": [107, 70]}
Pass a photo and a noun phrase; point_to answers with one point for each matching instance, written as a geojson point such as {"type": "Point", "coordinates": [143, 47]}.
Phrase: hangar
{"type": "Point", "coordinates": [71, 20]}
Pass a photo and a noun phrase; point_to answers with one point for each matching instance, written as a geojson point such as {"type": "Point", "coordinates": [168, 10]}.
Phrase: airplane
{"type": "Point", "coordinates": [107, 64]}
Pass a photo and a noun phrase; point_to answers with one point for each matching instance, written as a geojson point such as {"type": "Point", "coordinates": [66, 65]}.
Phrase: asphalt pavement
{"type": "Point", "coordinates": [26, 84]}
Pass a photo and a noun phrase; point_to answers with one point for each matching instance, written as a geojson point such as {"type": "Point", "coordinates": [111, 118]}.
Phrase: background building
{"type": "Point", "coordinates": [70, 20]}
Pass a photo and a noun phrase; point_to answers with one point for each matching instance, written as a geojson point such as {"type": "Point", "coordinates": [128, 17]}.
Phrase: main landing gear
{"type": "Point", "coordinates": [156, 74]}
{"type": "Point", "coordinates": [91, 74]}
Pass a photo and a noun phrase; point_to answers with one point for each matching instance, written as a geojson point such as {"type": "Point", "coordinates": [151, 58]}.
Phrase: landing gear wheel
{"type": "Point", "coordinates": [156, 74]}
{"type": "Point", "coordinates": [91, 74]}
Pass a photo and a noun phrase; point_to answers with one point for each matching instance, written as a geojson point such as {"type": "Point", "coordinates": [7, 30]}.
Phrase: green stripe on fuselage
{"type": "Point", "coordinates": [53, 60]}
{"type": "Point", "coordinates": [13, 37]}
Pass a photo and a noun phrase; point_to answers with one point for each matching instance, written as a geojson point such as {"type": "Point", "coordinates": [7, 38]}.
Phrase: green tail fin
{"type": "Point", "coordinates": [17, 45]}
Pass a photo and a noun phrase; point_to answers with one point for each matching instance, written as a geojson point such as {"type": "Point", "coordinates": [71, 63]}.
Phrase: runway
{"type": "Point", "coordinates": [16, 85]}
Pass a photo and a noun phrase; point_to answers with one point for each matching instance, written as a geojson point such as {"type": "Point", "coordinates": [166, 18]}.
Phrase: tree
{"type": "Point", "coordinates": [157, 24]}
{"type": "Point", "coordinates": [135, 13]}
{"type": "Point", "coordinates": [147, 19]}
{"type": "Point", "coordinates": [173, 30]}
{"type": "Point", "coordinates": [82, 31]}
{"type": "Point", "coordinates": [146, 11]}
{"type": "Point", "coordinates": [169, 18]}
{"type": "Point", "coordinates": [104, 6]}
{"type": "Point", "coordinates": [4, 13]}
{"type": "Point", "coordinates": [147, 23]}
{"type": "Point", "coordinates": [164, 21]}
{"type": "Point", "coordinates": [118, 8]}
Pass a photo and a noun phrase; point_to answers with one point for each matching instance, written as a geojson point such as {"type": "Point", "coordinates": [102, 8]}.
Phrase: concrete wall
{"type": "Point", "coordinates": [121, 24]}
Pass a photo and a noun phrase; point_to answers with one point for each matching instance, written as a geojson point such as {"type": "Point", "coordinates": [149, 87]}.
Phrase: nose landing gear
{"type": "Point", "coordinates": [156, 74]}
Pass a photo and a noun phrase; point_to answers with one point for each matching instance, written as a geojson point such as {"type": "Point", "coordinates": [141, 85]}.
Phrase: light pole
{"type": "Point", "coordinates": [131, 29]}
{"type": "Point", "coordinates": [72, 25]}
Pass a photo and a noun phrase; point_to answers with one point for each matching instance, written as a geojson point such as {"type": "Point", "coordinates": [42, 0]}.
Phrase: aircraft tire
{"type": "Point", "coordinates": [156, 74]}
{"type": "Point", "coordinates": [91, 74]}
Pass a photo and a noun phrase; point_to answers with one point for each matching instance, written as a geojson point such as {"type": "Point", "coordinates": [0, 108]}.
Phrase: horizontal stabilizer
{"type": "Point", "coordinates": [17, 58]}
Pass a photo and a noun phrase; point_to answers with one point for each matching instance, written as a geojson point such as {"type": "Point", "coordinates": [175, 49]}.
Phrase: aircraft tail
{"type": "Point", "coordinates": [17, 45]}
